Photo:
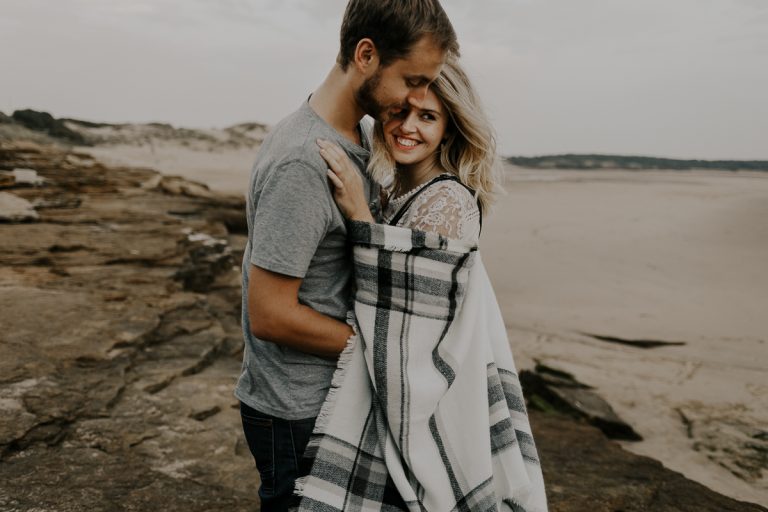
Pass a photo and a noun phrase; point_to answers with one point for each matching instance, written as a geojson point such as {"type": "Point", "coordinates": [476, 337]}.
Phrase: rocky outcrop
{"type": "Point", "coordinates": [45, 128]}
{"type": "Point", "coordinates": [585, 472]}
{"type": "Point", "coordinates": [46, 123]}
{"type": "Point", "coordinates": [120, 342]}
{"type": "Point", "coordinates": [117, 374]}
{"type": "Point", "coordinates": [245, 135]}
{"type": "Point", "coordinates": [552, 390]}
{"type": "Point", "coordinates": [15, 209]}
{"type": "Point", "coordinates": [634, 343]}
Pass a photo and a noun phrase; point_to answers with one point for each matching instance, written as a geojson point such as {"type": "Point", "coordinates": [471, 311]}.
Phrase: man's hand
{"type": "Point", "coordinates": [276, 315]}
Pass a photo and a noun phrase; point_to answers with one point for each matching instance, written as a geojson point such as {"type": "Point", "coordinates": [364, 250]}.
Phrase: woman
{"type": "Point", "coordinates": [447, 134]}
{"type": "Point", "coordinates": [425, 411]}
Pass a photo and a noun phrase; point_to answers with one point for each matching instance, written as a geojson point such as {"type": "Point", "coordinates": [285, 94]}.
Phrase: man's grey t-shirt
{"type": "Point", "coordinates": [296, 229]}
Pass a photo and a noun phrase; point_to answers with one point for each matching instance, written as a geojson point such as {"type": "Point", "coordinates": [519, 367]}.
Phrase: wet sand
{"type": "Point", "coordinates": [669, 256]}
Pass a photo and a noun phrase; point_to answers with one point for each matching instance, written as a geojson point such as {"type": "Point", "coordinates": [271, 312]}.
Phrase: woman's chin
{"type": "Point", "coordinates": [405, 157]}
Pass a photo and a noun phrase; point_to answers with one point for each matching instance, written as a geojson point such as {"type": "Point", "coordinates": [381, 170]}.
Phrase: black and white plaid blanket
{"type": "Point", "coordinates": [426, 412]}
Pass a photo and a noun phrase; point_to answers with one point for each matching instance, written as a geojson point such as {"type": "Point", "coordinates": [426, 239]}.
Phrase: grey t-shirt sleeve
{"type": "Point", "coordinates": [290, 220]}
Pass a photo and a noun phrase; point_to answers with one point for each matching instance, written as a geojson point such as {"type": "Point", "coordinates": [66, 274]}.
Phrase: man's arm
{"type": "Point", "coordinates": [276, 315]}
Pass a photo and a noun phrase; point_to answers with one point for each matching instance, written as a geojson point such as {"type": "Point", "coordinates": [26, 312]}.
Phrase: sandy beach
{"type": "Point", "coordinates": [669, 256]}
{"type": "Point", "coordinates": [225, 171]}
{"type": "Point", "coordinates": [673, 256]}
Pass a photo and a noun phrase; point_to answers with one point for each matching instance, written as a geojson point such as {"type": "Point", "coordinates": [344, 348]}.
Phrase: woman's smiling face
{"type": "Point", "coordinates": [414, 135]}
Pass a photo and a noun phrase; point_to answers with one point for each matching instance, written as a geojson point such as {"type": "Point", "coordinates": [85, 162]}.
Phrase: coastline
{"type": "Point", "coordinates": [530, 269]}
{"type": "Point", "coordinates": [660, 254]}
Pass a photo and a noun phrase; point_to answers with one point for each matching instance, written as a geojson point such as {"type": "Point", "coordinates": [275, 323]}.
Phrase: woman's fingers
{"type": "Point", "coordinates": [335, 157]}
{"type": "Point", "coordinates": [346, 179]}
{"type": "Point", "coordinates": [335, 179]}
{"type": "Point", "coordinates": [338, 154]}
{"type": "Point", "coordinates": [331, 159]}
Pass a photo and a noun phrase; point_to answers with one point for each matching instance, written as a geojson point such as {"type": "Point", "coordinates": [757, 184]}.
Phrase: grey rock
{"type": "Point", "coordinates": [21, 177]}
{"type": "Point", "coordinates": [549, 389]}
{"type": "Point", "coordinates": [633, 342]}
{"type": "Point", "coordinates": [207, 258]}
{"type": "Point", "coordinates": [16, 209]}
{"type": "Point", "coordinates": [728, 440]}
{"type": "Point", "coordinates": [46, 123]}
{"type": "Point", "coordinates": [585, 472]}
{"type": "Point", "coordinates": [27, 177]}
{"type": "Point", "coordinates": [74, 479]}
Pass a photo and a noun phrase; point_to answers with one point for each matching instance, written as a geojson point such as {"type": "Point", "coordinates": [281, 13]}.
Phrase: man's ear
{"type": "Point", "coordinates": [366, 57]}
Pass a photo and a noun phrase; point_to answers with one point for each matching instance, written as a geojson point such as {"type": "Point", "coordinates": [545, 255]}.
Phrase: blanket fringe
{"type": "Point", "coordinates": [324, 416]}
{"type": "Point", "coordinates": [326, 411]}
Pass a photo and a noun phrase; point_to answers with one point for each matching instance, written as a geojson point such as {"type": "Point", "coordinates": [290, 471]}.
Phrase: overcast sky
{"type": "Point", "coordinates": [677, 78]}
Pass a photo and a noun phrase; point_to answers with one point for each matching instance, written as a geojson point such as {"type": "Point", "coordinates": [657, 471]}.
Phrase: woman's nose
{"type": "Point", "coordinates": [409, 123]}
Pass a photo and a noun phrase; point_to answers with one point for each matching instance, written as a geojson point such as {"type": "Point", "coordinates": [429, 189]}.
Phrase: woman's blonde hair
{"type": "Point", "coordinates": [469, 147]}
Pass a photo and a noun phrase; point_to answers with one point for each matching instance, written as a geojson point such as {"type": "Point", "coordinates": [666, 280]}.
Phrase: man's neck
{"type": "Point", "coordinates": [334, 101]}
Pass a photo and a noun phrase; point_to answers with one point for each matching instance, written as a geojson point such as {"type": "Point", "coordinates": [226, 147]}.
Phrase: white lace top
{"type": "Point", "coordinates": [446, 207]}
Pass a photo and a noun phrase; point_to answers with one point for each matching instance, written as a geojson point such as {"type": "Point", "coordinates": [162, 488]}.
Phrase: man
{"type": "Point", "coordinates": [296, 266]}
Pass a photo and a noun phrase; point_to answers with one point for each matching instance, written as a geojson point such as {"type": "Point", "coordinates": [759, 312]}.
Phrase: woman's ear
{"type": "Point", "coordinates": [366, 57]}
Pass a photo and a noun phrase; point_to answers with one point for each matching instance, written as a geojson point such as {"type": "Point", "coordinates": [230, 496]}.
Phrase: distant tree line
{"type": "Point", "coordinates": [570, 161]}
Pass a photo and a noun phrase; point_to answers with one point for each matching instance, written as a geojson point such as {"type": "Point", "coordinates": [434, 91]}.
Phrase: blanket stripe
{"type": "Point", "coordinates": [425, 411]}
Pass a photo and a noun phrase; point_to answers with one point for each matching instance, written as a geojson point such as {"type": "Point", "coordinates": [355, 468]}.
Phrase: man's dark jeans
{"type": "Point", "coordinates": [278, 447]}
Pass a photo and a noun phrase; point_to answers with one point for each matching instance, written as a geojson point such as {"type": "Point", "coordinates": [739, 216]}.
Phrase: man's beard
{"type": "Point", "coordinates": [366, 99]}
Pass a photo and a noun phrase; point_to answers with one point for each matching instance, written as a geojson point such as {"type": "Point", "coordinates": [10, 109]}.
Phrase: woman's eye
{"type": "Point", "coordinates": [428, 117]}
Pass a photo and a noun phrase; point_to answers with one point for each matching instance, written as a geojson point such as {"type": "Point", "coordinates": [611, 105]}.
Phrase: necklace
{"type": "Point", "coordinates": [429, 173]}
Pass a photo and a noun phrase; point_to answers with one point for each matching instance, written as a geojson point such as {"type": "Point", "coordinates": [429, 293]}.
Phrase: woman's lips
{"type": "Point", "coordinates": [405, 143]}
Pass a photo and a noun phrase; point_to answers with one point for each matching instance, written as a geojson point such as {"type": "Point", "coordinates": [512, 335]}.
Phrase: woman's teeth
{"type": "Point", "coordinates": [406, 142]}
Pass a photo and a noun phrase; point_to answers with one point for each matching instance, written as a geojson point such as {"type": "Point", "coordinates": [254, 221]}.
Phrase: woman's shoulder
{"type": "Point", "coordinates": [446, 207]}
{"type": "Point", "coordinates": [447, 194]}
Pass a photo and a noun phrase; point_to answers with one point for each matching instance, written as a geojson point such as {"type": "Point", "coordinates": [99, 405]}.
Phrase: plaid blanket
{"type": "Point", "coordinates": [425, 412]}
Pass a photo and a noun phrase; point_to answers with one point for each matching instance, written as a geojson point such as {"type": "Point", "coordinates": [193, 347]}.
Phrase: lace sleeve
{"type": "Point", "coordinates": [446, 208]}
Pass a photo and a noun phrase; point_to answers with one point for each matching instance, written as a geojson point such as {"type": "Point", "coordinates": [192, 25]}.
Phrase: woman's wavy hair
{"type": "Point", "coordinates": [469, 147]}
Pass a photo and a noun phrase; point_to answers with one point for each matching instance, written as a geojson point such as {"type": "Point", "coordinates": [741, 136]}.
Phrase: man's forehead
{"type": "Point", "coordinates": [425, 60]}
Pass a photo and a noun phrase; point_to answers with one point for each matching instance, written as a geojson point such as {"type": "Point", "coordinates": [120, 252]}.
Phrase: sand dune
{"type": "Point", "coordinates": [220, 158]}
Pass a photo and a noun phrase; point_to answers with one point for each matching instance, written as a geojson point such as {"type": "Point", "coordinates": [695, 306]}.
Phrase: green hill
{"type": "Point", "coordinates": [570, 161]}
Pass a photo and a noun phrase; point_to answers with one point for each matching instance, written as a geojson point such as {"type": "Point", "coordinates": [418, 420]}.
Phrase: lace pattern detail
{"type": "Point", "coordinates": [394, 204]}
{"type": "Point", "coordinates": [445, 207]}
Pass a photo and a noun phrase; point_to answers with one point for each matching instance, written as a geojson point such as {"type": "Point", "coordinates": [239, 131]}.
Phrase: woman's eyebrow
{"type": "Point", "coordinates": [429, 111]}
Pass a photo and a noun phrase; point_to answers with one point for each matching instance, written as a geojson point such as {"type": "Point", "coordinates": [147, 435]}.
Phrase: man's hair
{"type": "Point", "coordinates": [394, 26]}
